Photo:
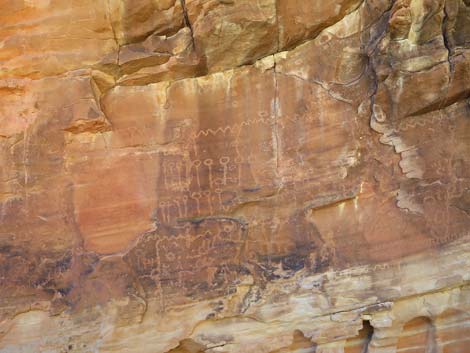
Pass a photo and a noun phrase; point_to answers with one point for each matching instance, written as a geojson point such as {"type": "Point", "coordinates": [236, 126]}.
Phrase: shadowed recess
{"type": "Point", "coordinates": [360, 343]}
{"type": "Point", "coordinates": [418, 336]}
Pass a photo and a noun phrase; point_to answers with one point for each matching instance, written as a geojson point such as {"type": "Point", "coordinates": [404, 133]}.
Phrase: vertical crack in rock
{"type": "Point", "coordinates": [447, 41]}
{"type": "Point", "coordinates": [276, 115]}
{"type": "Point", "coordinates": [370, 51]}
{"type": "Point", "coordinates": [187, 22]}
{"type": "Point", "coordinates": [278, 26]}
{"type": "Point", "coordinates": [113, 29]}
{"type": "Point", "coordinates": [375, 87]}
{"type": "Point", "coordinates": [25, 160]}
{"type": "Point", "coordinates": [446, 38]}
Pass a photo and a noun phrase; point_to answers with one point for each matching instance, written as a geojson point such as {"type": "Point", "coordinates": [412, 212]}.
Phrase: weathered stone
{"type": "Point", "coordinates": [235, 176]}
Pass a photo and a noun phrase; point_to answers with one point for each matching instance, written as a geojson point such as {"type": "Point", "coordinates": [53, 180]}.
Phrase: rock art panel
{"type": "Point", "coordinates": [234, 176]}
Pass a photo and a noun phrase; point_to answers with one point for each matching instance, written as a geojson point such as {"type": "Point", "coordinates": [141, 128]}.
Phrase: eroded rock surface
{"type": "Point", "coordinates": [235, 176]}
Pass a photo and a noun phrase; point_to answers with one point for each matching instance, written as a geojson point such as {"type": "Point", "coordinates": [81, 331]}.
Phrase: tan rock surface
{"type": "Point", "coordinates": [235, 176]}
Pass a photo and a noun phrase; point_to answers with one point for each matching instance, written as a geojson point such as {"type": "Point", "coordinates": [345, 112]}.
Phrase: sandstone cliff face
{"type": "Point", "coordinates": [235, 176]}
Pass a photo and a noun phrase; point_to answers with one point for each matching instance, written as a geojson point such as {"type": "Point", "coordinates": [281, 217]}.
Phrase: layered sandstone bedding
{"type": "Point", "coordinates": [269, 176]}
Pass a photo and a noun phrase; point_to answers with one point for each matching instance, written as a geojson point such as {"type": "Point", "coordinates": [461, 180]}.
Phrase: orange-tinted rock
{"type": "Point", "coordinates": [134, 20]}
{"type": "Point", "coordinates": [44, 38]}
{"type": "Point", "coordinates": [245, 29]}
{"type": "Point", "coordinates": [301, 20]}
{"type": "Point", "coordinates": [234, 176]}
{"type": "Point", "coordinates": [160, 58]}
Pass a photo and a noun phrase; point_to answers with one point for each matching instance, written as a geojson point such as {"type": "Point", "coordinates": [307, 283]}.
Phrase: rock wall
{"type": "Point", "coordinates": [218, 176]}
